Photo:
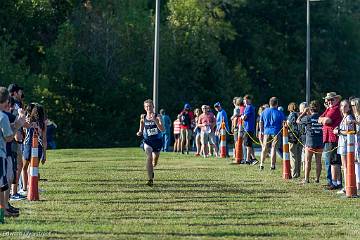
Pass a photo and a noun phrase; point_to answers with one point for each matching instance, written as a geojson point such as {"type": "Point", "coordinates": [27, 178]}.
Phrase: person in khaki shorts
{"type": "Point", "coordinates": [207, 124]}
{"type": "Point", "coordinates": [271, 121]}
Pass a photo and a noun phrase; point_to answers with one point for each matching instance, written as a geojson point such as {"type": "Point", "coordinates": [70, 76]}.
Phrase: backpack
{"type": "Point", "coordinates": [294, 131]}
{"type": "Point", "coordinates": [184, 119]}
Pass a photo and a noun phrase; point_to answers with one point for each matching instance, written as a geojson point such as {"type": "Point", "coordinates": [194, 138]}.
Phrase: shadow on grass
{"type": "Point", "coordinates": [152, 234]}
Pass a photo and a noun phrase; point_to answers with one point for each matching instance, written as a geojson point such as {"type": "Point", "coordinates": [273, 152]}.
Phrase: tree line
{"type": "Point", "coordinates": [90, 62]}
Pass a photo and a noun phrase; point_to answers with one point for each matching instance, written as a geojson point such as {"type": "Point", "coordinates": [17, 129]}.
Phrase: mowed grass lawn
{"type": "Point", "coordinates": [101, 194]}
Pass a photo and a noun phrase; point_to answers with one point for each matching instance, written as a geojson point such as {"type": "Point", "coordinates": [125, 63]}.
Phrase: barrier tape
{"type": "Point", "coordinates": [305, 146]}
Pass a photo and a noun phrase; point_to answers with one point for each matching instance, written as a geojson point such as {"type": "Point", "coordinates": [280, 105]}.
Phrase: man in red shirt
{"type": "Point", "coordinates": [186, 118]}
{"type": "Point", "coordinates": [331, 119]}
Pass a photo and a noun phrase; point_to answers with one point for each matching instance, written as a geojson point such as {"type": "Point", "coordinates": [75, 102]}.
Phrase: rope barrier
{"type": "Point", "coordinates": [305, 146]}
{"type": "Point", "coordinates": [258, 142]}
{"type": "Point", "coordinates": [247, 133]}
{"type": "Point", "coordinates": [254, 141]}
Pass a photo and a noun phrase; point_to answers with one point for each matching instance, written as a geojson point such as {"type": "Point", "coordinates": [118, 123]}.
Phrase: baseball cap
{"type": "Point", "coordinates": [187, 106]}
{"type": "Point", "coordinates": [14, 88]}
{"type": "Point", "coordinates": [217, 104]}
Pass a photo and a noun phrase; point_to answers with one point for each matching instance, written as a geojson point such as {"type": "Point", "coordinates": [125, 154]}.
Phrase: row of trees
{"type": "Point", "coordinates": [90, 62]}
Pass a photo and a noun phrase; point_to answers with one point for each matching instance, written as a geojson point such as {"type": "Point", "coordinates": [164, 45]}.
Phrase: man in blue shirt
{"type": "Point", "coordinates": [166, 133]}
{"type": "Point", "coordinates": [220, 116]}
{"type": "Point", "coordinates": [271, 121]}
{"type": "Point", "coordinates": [249, 127]}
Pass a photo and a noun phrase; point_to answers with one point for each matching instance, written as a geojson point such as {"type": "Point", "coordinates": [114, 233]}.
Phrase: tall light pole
{"type": "Point", "coordinates": [156, 56]}
{"type": "Point", "coordinates": [308, 49]}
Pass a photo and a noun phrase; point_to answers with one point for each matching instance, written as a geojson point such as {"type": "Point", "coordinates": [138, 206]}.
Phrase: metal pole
{"type": "Point", "coordinates": [308, 51]}
{"type": "Point", "coordinates": [156, 56]}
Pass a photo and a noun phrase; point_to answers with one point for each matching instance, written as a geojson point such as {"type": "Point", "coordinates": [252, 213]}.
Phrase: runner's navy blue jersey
{"type": "Point", "coordinates": [151, 131]}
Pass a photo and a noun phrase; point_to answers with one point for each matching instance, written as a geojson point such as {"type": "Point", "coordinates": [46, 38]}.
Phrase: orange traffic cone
{"type": "Point", "coordinates": [2, 214]}
{"type": "Point", "coordinates": [223, 140]}
{"type": "Point", "coordinates": [239, 144]}
{"type": "Point", "coordinates": [351, 190]}
{"type": "Point", "coordinates": [286, 154]}
{"type": "Point", "coordinates": [33, 194]}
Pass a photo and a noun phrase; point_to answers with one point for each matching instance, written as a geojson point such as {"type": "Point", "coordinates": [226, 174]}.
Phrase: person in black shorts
{"type": "Point", "coordinates": [249, 127]}
{"type": "Point", "coordinates": [151, 128]}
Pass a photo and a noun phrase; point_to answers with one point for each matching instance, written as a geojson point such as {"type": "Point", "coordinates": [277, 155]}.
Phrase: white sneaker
{"type": "Point", "coordinates": [22, 192]}
{"type": "Point", "coordinates": [342, 191]}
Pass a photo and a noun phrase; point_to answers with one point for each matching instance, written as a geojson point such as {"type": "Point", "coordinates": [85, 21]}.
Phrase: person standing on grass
{"type": "Point", "coordinates": [330, 119]}
{"type": "Point", "coordinates": [176, 135]}
{"type": "Point", "coordinates": [314, 144]}
{"type": "Point", "coordinates": [238, 110]}
{"type": "Point", "coordinates": [347, 124]}
{"type": "Point", "coordinates": [7, 135]}
{"type": "Point", "coordinates": [271, 123]}
{"type": "Point", "coordinates": [186, 118]}
{"type": "Point", "coordinates": [260, 133]}
{"type": "Point", "coordinates": [207, 124]}
{"type": "Point", "coordinates": [166, 134]}
{"type": "Point", "coordinates": [220, 117]}
{"type": "Point", "coordinates": [36, 123]}
{"type": "Point", "coordinates": [197, 132]}
{"type": "Point", "coordinates": [10, 157]}
{"type": "Point", "coordinates": [150, 128]}
{"type": "Point", "coordinates": [302, 133]}
{"type": "Point", "coordinates": [17, 93]}
{"type": "Point", "coordinates": [249, 126]}
{"type": "Point", "coordinates": [355, 106]}
{"type": "Point", "coordinates": [294, 145]}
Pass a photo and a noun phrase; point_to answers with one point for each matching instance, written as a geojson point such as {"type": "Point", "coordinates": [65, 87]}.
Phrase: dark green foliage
{"type": "Point", "coordinates": [90, 62]}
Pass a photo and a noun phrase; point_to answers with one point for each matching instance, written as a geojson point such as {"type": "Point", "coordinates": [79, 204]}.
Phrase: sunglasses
{"type": "Point", "coordinates": [331, 100]}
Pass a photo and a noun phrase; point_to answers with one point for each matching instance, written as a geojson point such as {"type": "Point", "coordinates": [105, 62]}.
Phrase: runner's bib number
{"type": "Point", "coordinates": [152, 131]}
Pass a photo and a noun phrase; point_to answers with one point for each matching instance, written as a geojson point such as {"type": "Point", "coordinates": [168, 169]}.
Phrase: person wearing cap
{"type": "Point", "coordinates": [331, 119]}
{"type": "Point", "coordinates": [220, 116]}
{"type": "Point", "coordinates": [270, 123]}
{"type": "Point", "coordinates": [186, 117]}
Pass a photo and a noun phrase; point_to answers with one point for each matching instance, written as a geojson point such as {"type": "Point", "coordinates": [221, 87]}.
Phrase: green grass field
{"type": "Point", "coordinates": [101, 194]}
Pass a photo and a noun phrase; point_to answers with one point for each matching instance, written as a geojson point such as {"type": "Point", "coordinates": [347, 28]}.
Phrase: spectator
{"type": "Point", "coordinates": [197, 132]}
{"type": "Point", "coordinates": [302, 133]}
{"type": "Point", "coordinates": [249, 127]}
{"type": "Point", "coordinates": [259, 133]}
{"type": "Point", "coordinates": [220, 116]}
{"type": "Point", "coordinates": [35, 123]}
{"type": "Point", "coordinates": [17, 94]}
{"type": "Point", "coordinates": [271, 123]}
{"type": "Point", "coordinates": [238, 110]}
{"type": "Point", "coordinates": [330, 119]}
{"type": "Point", "coordinates": [355, 106]}
{"type": "Point", "coordinates": [50, 132]}
{"type": "Point", "coordinates": [314, 144]}
{"type": "Point", "coordinates": [177, 135]}
{"type": "Point", "coordinates": [166, 133]}
{"type": "Point", "coordinates": [207, 123]}
{"type": "Point", "coordinates": [346, 124]}
{"type": "Point", "coordinates": [7, 132]}
{"type": "Point", "coordinates": [294, 145]}
{"type": "Point", "coordinates": [186, 118]}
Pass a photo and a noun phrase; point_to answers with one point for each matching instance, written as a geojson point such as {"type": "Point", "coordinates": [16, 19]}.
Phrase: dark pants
{"type": "Point", "coordinates": [327, 157]}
